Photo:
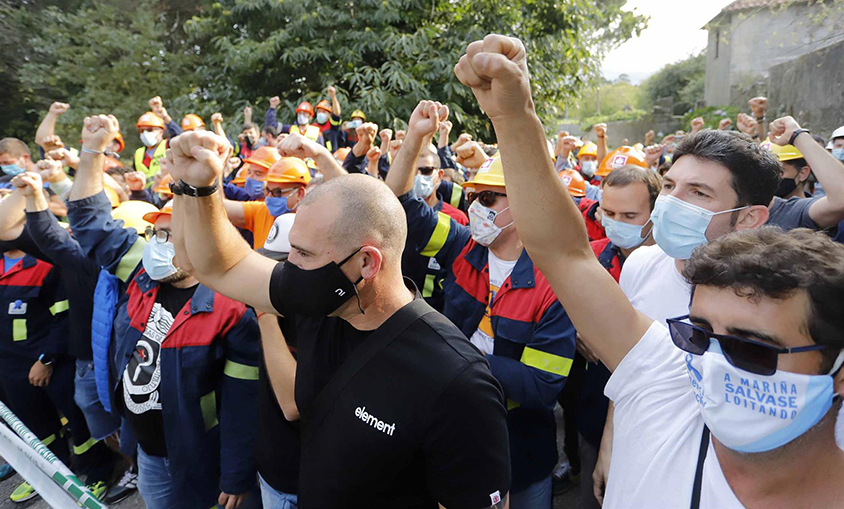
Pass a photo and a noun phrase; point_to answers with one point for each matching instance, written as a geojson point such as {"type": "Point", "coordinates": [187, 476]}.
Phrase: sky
{"type": "Point", "coordinates": [673, 34]}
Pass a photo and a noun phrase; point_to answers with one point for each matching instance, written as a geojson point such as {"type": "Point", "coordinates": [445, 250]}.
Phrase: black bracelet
{"type": "Point", "coordinates": [183, 188]}
{"type": "Point", "coordinates": [795, 134]}
{"type": "Point", "coordinates": [760, 119]}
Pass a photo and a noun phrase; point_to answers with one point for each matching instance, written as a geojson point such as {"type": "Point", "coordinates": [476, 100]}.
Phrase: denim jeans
{"type": "Point", "coordinates": [274, 499]}
{"type": "Point", "coordinates": [536, 496]}
{"type": "Point", "coordinates": [155, 482]}
{"type": "Point", "coordinates": [100, 423]}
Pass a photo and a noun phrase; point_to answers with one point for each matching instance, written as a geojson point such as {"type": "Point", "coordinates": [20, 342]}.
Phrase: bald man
{"type": "Point", "coordinates": [397, 408]}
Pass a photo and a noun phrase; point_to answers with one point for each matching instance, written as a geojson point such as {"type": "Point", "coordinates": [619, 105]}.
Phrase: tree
{"type": "Point", "coordinates": [682, 81]}
{"type": "Point", "coordinates": [385, 56]}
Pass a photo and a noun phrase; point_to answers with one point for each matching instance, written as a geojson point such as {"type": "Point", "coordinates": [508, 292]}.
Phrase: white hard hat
{"type": "Point", "coordinates": [277, 245]}
{"type": "Point", "coordinates": [838, 133]}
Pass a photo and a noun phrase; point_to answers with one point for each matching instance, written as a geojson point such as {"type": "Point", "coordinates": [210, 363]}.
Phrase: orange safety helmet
{"type": "Point", "coordinates": [305, 107]}
{"type": "Point", "coordinates": [264, 157]}
{"type": "Point", "coordinates": [166, 210]}
{"type": "Point", "coordinates": [164, 186]}
{"type": "Point", "coordinates": [120, 142]}
{"type": "Point", "coordinates": [150, 119]}
{"type": "Point", "coordinates": [289, 170]}
{"type": "Point", "coordinates": [341, 153]}
{"type": "Point", "coordinates": [574, 181]}
{"type": "Point", "coordinates": [191, 122]}
{"type": "Point", "coordinates": [324, 105]}
{"type": "Point", "coordinates": [618, 158]}
{"type": "Point", "coordinates": [240, 177]}
{"type": "Point", "coordinates": [110, 163]}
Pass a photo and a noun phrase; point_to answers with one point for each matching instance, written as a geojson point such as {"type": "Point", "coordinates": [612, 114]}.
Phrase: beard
{"type": "Point", "coordinates": [179, 275]}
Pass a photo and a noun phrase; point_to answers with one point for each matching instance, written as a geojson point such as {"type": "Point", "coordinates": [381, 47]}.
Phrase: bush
{"type": "Point", "coordinates": [712, 115]}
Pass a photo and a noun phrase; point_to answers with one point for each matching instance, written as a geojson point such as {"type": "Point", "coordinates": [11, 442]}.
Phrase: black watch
{"type": "Point", "coordinates": [795, 134]}
{"type": "Point", "coordinates": [45, 359]}
{"type": "Point", "coordinates": [183, 188]}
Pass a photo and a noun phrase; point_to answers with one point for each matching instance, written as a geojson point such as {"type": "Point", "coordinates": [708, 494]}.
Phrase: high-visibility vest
{"type": "Point", "coordinates": [154, 163]}
{"type": "Point", "coordinates": [312, 132]}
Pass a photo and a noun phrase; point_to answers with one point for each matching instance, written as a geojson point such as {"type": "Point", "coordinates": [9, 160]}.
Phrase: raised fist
{"type": "Point", "coordinates": [395, 145]}
{"type": "Point", "coordinates": [562, 134]}
{"type": "Point", "coordinates": [50, 170]}
{"type": "Point", "coordinates": [758, 105]}
{"type": "Point", "coordinates": [781, 130]}
{"type": "Point", "coordinates": [386, 135]}
{"type": "Point", "coordinates": [136, 181]}
{"type": "Point", "coordinates": [366, 132]}
{"type": "Point", "coordinates": [217, 118]}
{"type": "Point", "coordinates": [274, 102]}
{"type": "Point", "coordinates": [373, 154]}
{"type": "Point", "coordinates": [471, 155]}
{"type": "Point", "coordinates": [445, 128]}
{"type": "Point", "coordinates": [725, 124]}
{"type": "Point", "coordinates": [198, 157]}
{"type": "Point", "coordinates": [247, 113]}
{"type": "Point", "coordinates": [746, 124]}
{"type": "Point", "coordinates": [569, 143]}
{"type": "Point", "coordinates": [29, 183]}
{"type": "Point", "coordinates": [155, 103]}
{"type": "Point", "coordinates": [697, 124]}
{"type": "Point", "coordinates": [463, 138]}
{"type": "Point", "coordinates": [600, 130]}
{"type": "Point", "coordinates": [98, 131]}
{"type": "Point", "coordinates": [426, 118]}
{"type": "Point", "coordinates": [652, 154]}
{"type": "Point", "coordinates": [52, 142]}
{"type": "Point", "coordinates": [649, 137]}
{"type": "Point", "coordinates": [669, 139]}
{"type": "Point", "coordinates": [64, 156]}
{"type": "Point", "coordinates": [331, 91]}
{"type": "Point", "coordinates": [58, 108]}
{"type": "Point", "coordinates": [496, 70]}
{"type": "Point", "coordinates": [296, 145]}
{"type": "Point", "coordinates": [400, 135]}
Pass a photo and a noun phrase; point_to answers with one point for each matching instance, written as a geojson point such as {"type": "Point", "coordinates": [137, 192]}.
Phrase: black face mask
{"type": "Point", "coordinates": [786, 187]}
{"type": "Point", "coordinates": [317, 292]}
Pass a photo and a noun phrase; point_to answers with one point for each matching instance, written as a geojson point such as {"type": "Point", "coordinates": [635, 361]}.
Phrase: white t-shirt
{"type": "Point", "coordinates": [651, 282]}
{"type": "Point", "coordinates": [499, 271]}
{"type": "Point", "coordinates": [658, 428]}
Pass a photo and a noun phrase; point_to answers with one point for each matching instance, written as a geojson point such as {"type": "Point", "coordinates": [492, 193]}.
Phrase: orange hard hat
{"type": "Point", "coordinates": [341, 153]}
{"type": "Point", "coordinates": [166, 210]}
{"type": "Point", "coordinates": [264, 157]}
{"type": "Point", "coordinates": [324, 105]}
{"type": "Point", "coordinates": [574, 181]}
{"type": "Point", "coordinates": [164, 185]}
{"type": "Point", "coordinates": [289, 170]}
{"type": "Point", "coordinates": [191, 122]}
{"type": "Point", "coordinates": [618, 158]}
{"type": "Point", "coordinates": [240, 178]}
{"type": "Point", "coordinates": [120, 142]}
{"type": "Point", "coordinates": [110, 163]}
{"type": "Point", "coordinates": [305, 107]}
{"type": "Point", "coordinates": [150, 119]}
{"type": "Point", "coordinates": [113, 198]}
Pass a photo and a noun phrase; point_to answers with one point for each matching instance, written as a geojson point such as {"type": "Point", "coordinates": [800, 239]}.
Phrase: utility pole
{"type": "Point", "coordinates": [598, 101]}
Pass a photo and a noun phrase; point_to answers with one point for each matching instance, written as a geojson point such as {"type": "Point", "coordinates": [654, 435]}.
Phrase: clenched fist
{"type": "Point", "coordinates": [136, 181]}
{"type": "Point", "coordinates": [652, 154]}
{"type": "Point", "coordinates": [496, 70]}
{"type": "Point", "coordinates": [296, 145]}
{"type": "Point", "coordinates": [781, 130]}
{"type": "Point", "coordinates": [98, 131]}
{"type": "Point", "coordinates": [58, 108]}
{"type": "Point", "coordinates": [725, 124]}
{"type": "Point", "coordinates": [471, 155]}
{"type": "Point", "coordinates": [64, 156]}
{"type": "Point", "coordinates": [373, 155]}
{"type": "Point", "coordinates": [400, 134]}
{"type": "Point", "coordinates": [569, 143]}
{"type": "Point", "coordinates": [366, 132]}
{"type": "Point", "coordinates": [217, 118]}
{"type": "Point", "coordinates": [697, 124]}
{"type": "Point", "coordinates": [52, 142]}
{"type": "Point", "coordinates": [386, 135]}
{"type": "Point", "coordinates": [600, 130]}
{"type": "Point", "coordinates": [758, 105]}
{"type": "Point", "coordinates": [274, 102]}
{"type": "Point", "coordinates": [332, 92]}
{"type": "Point", "coordinates": [426, 118]}
{"type": "Point", "coordinates": [29, 183]}
{"type": "Point", "coordinates": [746, 124]}
{"type": "Point", "coordinates": [197, 157]}
{"type": "Point", "coordinates": [50, 170]}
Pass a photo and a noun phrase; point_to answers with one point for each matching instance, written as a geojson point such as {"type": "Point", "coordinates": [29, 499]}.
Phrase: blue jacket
{"type": "Point", "coordinates": [209, 363]}
{"type": "Point", "coordinates": [533, 336]}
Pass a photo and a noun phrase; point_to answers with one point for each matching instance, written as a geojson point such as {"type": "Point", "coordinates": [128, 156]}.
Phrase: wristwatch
{"type": "Point", "coordinates": [45, 359]}
{"type": "Point", "coordinates": [183, 188]}
{"type": "Point", "coordinates": [795, 134]}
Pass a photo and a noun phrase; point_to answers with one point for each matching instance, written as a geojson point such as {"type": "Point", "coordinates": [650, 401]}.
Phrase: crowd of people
{"type": "Point", "coordinates": [306, 316]}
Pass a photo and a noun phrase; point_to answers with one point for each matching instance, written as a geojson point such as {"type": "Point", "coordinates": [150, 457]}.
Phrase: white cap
{"type": "Point", "coordinates": [838, 133]}
{"type": "Point", "coordinates": [277, 245]}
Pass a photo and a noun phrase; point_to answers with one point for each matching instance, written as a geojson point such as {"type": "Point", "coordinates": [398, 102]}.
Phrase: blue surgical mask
{"type": "Point", "coordinates": [255, 188]}
{"type": "Point", "coordinates": [277, 206]}
{"type": "Point", "coordinates": [838, 153]}
{"type": "Point", "coordinates": [321, 117]}
{"type": "Point", "coordinates": [423, 186]}
{"type": "Point", "coordinates": [680, 227]}
{"type": "Point", "coordinates": [354, 123]}
{"type": "Point", "coordinates": [12, 169]}
{"type": "Point", "coordinates": [623, 235]}
{"type": "Point", "coordinates": [158, 259]}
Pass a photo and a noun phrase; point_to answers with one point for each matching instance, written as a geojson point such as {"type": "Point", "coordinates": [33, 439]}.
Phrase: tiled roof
{"type": "Point", "coordinates": [740, 5]}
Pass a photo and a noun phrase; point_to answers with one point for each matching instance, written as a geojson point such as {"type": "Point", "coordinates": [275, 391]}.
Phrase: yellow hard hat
{"type": "Point", "coordinates": [359, 114]}
{"type": "Point", "coordinates": [786, 153]}
{"type": "Point", "coordinates": [132, 214]}
{"type": "Point", "coordinates": [639, 147]}
{"type": "Point", "coordinates": [590, 149]}
{"type": "Point", "coordinates": [491, 173]}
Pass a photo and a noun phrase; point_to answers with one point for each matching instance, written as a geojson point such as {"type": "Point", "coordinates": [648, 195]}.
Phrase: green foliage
{"type": "Point", "coordinates": [682, 81]}
{"type": "Point", "coordinates": [712, 115]}
{"type": "Point", "coordinates": [620, 116]}
{"type": "Point", "coordinates": [619, 101]}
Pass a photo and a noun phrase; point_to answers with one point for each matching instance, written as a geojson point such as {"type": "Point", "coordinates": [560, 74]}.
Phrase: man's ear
{"type": "Point", "coordinates": [752, 217]}
{"type": "Point", "coordinates": [372, 262]}
{"type": "Point", "coordinates": [838, 383]}
{"type": "Point", "coordinates": [804, 173]}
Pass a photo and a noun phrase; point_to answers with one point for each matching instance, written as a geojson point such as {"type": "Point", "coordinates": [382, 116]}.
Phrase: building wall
{"type": "Point", "coordinates": [717, 90]}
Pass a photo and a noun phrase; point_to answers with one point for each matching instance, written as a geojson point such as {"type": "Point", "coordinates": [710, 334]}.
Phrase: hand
{"type": "Point", "coordinates": [426, 118]}
{"type": "Point", "coordinates": [274, 102]}
{"type": "Point", "coordinates": [781, 130]}
{"type": "Point", "coordinates": [197, 157]}
{"type": "Point", "coordinates": [52, 142]}
{"type": "Point", "coordinates": [649, 137]}
{"type": "Point", "coordinates": [746, 124]}
{"type": "Point", "coordinates": [600, 474]}
{"type": "Point", "coordinates": [569, 143]}
{"type": "Point", "coordinates": [64, 156]}
{"type": "Point", "coordinates": [217, 118]}
{"type": "Point", "coordinates": [98, 131]}
{"type": "Point", "coordinates": [50, 170]}
{"type": "Point", "coordinates": [445, 128]}
{"type": "Point", "coordinates": [247, 112]}
{"type": "Point", "coordinates": [29, 183]}
{"type": "Point", "coordinates": [697, 124]}
{"type": "Point", "coordinates": [400, 135]}
{"type": "Point", "coordinates": [296, 145]}
{"type": "Point", "coordinates": [58, 108]}
{"type": "Point", "coordinates": [600, 130]}
{"type": "Point", "coordinates": [366, 133]}
{"type": "Point", "coordinates": [395, 145]}
{"type": "Point", "coordinates": [373, 155]}
{"type": "Point", "coordinates": [231, 501]}
{"type": "Point", "coordinates": [332, 92]}
{"type": "Point", "coordinates": [39, 374]}
{"type": "Point", "coordinates": [386, 135]}
{"type": "Point", "coordinates": [758, 105]}
{"type": "Point", "coordinates": [562, 134]}
{"type": "Point", "coordinates": [496, 70]}
{"type": "Point", "coordinates": [669, 139]}
{"type": "Point", "coordinates": [725, 124]}
{"type": "Point", "coordinates": [155, 104]}
{"type": "Point", "coordinates": [471, 155]}
{"type": "Point", "coordinates": [463, 138]}
{"type": "Point", "coordinates": [136, 181]}
{"type": "Point", "coordinates": [585, 351]}
{"type": "Point", "coordinates": [652, 154]}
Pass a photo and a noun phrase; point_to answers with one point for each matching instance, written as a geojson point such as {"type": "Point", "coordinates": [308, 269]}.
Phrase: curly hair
{"type": "Point", "coordinates": [770, 263]}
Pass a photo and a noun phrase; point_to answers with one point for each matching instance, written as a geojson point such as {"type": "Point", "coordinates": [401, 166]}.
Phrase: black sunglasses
{"type": "Point", "coordinates": [747, 354]}
{"type": "Point", "coordinates": [162, 236]}
{"type": "Point", "coordinates": [426, 171]}
{"type": "Point", "coordinates": [487, 198]}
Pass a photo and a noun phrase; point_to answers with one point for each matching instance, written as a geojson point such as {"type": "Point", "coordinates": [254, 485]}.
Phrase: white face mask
{"type": "Point", "coordinates": [149, 138]}
{"type": "Point", "coordinates": [423, 186]}
{"type": "Point", "coordinates": [482, 223]}
{"type": "Point", "coordinates": [754, 413]}
{"type": "Point", "coordinates": [588, 168]}
{"type": "Point", "coordinates": [321, 118]}
{"type": "Point", "coordinates": [303, 118]}
{"type": "Point", "coordinates": [158, 259]}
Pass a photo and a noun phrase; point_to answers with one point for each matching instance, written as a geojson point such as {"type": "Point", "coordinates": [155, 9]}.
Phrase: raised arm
{"type": "Point", "coordinates": [12, 215]}
{"type": "Point", "coordinates": [548, 221]}
{"type": "Point", "coordinates": [206, 243]}
{"type": "Point", "coordinates": [424, 121]}
{"type": "Point", "coordinates": [217, 122]}
{"type": "Point", "coordinates": [45, 135]}
{"type": "Point", "coordinates": [335, 104]}
{"type": "Point", "coordinates": [601, 135]}
{"type": "Point", "coordinates": [296, 145]}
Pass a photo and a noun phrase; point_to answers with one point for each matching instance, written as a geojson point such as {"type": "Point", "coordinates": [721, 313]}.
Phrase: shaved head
{"type": "Point", "coordinates": [363, 211]}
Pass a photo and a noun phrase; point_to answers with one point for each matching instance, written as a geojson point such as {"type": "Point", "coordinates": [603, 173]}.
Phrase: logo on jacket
{"type": "Point", "coordinates": [362, 414]}
{"type": "Point", "coordinates": [17, 308]}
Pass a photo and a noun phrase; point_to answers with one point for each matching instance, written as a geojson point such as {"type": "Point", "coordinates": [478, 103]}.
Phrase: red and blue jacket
{"type": "Point", "coordinates": [209, 363]}
{"type": "Point", "coordinates": [609, 255]}
{"type": "Point", "coordinates": [593, 227]}
{"type": "Point", "coordinates": [533, 336]}
{"type": "Point", "coordinates": [33, 313]}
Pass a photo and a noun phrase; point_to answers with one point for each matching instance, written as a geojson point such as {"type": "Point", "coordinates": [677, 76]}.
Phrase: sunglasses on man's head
{"type": "Point", "coordinates": [426, 171]}
{"type": "Point", "coordinates": [487, 198]}
{"type": "Point", "coordinates": [747, 354]}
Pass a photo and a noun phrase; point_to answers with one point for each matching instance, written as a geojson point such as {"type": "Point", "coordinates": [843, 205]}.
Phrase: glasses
{"type": "Point", "coordinates": [487, 198]}
{"type": "Point", "coordinates": [426, 171]}
{"type": "Point", "coordinates": [278, 193]}
{"type": "Point", "coordinates": [747, 354]}
{"type": "Point", "coordinates": [162, 236]}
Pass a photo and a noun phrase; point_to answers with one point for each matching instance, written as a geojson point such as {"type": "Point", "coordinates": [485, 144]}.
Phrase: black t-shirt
{"type": "Point", "coordinates": [140, 381]}
{"type": "Point", "coordinates": [423, 422]}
